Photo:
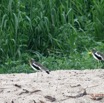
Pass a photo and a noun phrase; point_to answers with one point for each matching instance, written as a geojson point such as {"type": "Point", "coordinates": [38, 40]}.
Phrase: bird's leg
{"type": "Point", "coordinates": [98, 65]}
{"type": "Point", "coordinates": [37, 76]}
{"type": "Point", "coordinates": [102, 62]}
{"type": "Point", "coordinates": [40, 76]}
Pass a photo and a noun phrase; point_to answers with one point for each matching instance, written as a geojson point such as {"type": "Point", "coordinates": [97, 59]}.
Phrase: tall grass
{"type": "Point", "coordinates": [49, 26]}
{"type": "Point", "coordinates": [98, 18]}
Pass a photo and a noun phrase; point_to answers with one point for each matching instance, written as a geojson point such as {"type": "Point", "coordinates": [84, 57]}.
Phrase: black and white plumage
{"type": "Point", "coordinates": [38, 67]}
{"type": "Point", "coordinates": [97, 55]}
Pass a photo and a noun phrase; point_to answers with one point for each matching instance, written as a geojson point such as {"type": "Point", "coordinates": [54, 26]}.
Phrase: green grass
{"type": "Point", "coordinates": [79, 61]}
{"type": "Point", "coordinates": [60, 31]}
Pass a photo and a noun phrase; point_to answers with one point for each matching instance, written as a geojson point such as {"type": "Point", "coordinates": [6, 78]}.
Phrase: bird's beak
{"type": "Point", "coordinates": [89, 53]}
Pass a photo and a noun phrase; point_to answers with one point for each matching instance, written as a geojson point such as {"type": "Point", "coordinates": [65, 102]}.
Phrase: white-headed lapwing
{"type": "Point", "coordinates": [38, 67]}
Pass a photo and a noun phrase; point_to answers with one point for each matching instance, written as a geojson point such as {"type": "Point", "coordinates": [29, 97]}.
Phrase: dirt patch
{"type": "Point", "coordinates": [62, 86]}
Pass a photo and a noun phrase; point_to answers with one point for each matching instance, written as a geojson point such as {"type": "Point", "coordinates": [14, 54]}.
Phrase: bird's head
{"type": "Point", "coordinates": [90, 53]}
{"type": "Point", "coordinates": [31, 60]}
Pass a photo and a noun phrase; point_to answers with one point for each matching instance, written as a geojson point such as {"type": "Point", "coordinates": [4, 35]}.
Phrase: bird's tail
{"type": "Point", "coordinates": [47, 71]}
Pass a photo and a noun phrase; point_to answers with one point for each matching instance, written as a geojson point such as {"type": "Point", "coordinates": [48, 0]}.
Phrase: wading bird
{"type": "Point", "coordinates": [38, 67]}
{"type": "Point", "coordinates": [97, 55]}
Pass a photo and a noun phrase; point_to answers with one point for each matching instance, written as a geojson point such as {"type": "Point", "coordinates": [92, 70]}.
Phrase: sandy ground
{"type": "Point", "coordinates": [62, 86]}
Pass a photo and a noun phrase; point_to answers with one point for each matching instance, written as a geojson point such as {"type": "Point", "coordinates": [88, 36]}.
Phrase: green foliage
{"type": "Point", "coordinates": [98, 17]}
{"type": "Point", "coordinates": [58, 33]}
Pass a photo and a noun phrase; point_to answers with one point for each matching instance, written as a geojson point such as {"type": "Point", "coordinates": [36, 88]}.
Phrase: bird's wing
{"type": "Point", "coordinates": [41, 67]}
{"type": "Point", "coordinates": [37, 66]}
{"type": "Point", "coordinates": [99, 55]}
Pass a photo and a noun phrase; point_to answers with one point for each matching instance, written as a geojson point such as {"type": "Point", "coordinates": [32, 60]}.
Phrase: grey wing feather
{"type": "Point", "coordinates": [42, 68]}
{"type": "Point", "coordinates": [100, 55]}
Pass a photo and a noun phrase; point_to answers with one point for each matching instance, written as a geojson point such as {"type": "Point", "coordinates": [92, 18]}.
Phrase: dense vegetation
{"type": "Point", "coordinates": [57, 33]}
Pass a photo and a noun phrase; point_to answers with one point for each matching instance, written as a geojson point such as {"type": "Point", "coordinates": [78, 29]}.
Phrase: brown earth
{"type": "Point", "coordinates": [62, 86]}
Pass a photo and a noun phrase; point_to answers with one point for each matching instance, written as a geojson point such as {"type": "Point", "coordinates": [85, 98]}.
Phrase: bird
{"type": "Point", "coordinates": [37, 66]}
{"type": "Point", "coordinates": [97, 55]}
